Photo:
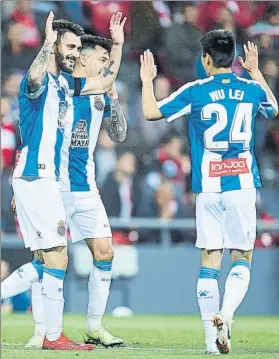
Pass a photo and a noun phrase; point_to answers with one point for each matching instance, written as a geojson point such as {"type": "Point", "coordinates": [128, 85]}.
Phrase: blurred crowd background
{"type": "Point", "coordinates": [150, 174]}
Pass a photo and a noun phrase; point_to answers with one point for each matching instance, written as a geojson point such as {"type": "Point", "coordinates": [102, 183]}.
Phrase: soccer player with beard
{"type": "Point", "coordinates": [44, 107]}
{"type": "Point", "coordinates": [85, 213]}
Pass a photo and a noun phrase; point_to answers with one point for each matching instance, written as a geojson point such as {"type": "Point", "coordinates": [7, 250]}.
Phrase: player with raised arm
{"type": "Point", "coordinates": [43, 103]}
{"type": "Point", "coordinates": [85, 213]}
{"type": "Point", "coordinates": [221, 113]}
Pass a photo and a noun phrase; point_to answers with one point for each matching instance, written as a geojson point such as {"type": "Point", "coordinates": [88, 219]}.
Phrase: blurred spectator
{"type": "Point", "coordinates": [100, 12]}
{"type": "Point", "coordinates": [11, 90]}
{"type": "Point", "coordinates": [156, 130]}
{"type": "Point", "coordinates": [266, 239]}
{"type": "Point", "coordinates": [120, 190]}
{"type": "Point", "coordinates": [15, 56]}
{"type": "Point", "coordinates": [166, 206]}
{"type": "Point", "coordinates": [270, 159]}
{"type": "Point", "coordinates": [105, 158]}
{"type": "Point", "coordinates": [19, 303]}
{"type": "Point", "coordinates": [8, 146]}
{"type": "Point", "coordinates": [243, 13]}
{"type": "Point", "coordinates": [147, 31]}
{"type": "Point", "coordinates": [8, 138]}
{"type": "Point", "coordinates": [175, 165]}
{"type": "Point", "coordinates": [270, 25]}
{"type": "Point", "coordinates": [24, 15]}
{"type": "Point", "coordinates": [182, 46]}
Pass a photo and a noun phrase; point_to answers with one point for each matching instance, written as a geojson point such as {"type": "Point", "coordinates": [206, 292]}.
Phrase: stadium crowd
{"type": "Point", "coordinates": [149, 175]}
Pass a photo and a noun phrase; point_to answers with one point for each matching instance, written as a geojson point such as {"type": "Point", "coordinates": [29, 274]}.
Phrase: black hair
{"type": "Point", "coordinates": [220, 45]}
{"type": "Point", "coordinates": [90, 42]}
{"type": "Point", "coordinates": [272, 10]}
{"type": "Point", "coordinates": [63, 26]}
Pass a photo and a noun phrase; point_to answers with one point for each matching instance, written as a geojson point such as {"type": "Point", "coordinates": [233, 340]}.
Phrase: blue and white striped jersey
{"type": "Point", "coordinates": [77, 169]}
{"type": "Point", "coordinates": [41, 122]}
{"type": "Point", "coordinates": [222, 111]}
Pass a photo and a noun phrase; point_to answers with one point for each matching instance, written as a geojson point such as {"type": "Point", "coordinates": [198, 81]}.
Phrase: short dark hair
{"type": "Point", "coordinates": [90, 42]}
{"type": "Point", "coordinates": [272, 9]}
{"type": "Point", "coordinates": [63, 26]}
{"type": "Point", "coordinates": [220, 45]}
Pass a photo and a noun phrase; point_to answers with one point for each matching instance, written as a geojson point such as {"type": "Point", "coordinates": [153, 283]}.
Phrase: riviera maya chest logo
{"type": "Point", "coordinates": [80, 137]}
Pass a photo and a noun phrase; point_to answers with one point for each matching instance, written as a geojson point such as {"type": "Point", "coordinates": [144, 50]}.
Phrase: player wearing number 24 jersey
{"type": "Point", "coordinates": [221, 113]}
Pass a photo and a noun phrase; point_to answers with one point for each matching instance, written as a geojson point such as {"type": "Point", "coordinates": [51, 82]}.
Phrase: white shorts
{"type": "Point", "coordinates": [86, 216]}
{"type": "Point", "coordinates": [40, 213]}
{"type": "Point", "coordinates": [226, 220]}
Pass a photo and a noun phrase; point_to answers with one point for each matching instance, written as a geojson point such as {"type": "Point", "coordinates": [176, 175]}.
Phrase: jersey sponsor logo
{"type": "Point", "coordinates": [80, 137]}
{"type": "Point", "coordinates": [229, 167]}
{"type": "Point", "coordinates": [63, 108]}
{"type": "Point", "coordinates": [61, 228]}
{"type": "Point", "coordinates": [98, 103]}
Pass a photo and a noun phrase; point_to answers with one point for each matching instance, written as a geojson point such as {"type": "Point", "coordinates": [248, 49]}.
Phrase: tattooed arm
{"type": "Point", "coordinates": [37, 71]}
{"type": "Point", "coordinates": [103, 82]}
{"type": "Point", "coordinates": [116, 124]}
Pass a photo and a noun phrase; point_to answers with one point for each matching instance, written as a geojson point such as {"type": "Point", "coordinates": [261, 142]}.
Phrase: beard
{"type": "Point", "coordinates": [63, 64]}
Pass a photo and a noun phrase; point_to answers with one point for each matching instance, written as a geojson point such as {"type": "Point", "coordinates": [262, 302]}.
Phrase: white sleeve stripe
{"type": "Point", "coordinates": [182, 89]}
{"type": "Point", "coordinates": [269, 101]}
{"type": "Point", "coordinates": [182, 112]}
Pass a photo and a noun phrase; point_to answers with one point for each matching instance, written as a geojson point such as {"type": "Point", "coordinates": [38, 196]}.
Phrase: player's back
{"type": "Point", "coordinates": [221, 130]}
{"type": "Point", "coordinates": [222, 111]}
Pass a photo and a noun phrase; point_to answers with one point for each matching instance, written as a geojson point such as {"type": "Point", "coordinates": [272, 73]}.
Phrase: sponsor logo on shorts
{"type": "Point", "coordinates": [80, 137]}
{"type": "Point", "coordinates": [98, 103]}
{"type": "Point", "coordinates": [41, 166]}
{"type": "Point", "coordinates": [39, 234]}
{"type": "Point", "coordinates": [230, 167]}
{"type": "Point", "coordinates": [61, 228]}
{"type": "Point", "coordinates": [106, 225]}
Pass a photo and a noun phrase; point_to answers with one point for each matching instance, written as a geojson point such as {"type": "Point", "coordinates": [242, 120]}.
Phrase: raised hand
{"type": "Point", "coordinates": [116, 28]}
{"type": "Point", "coordinates": [251, 62]}
{"type": "Point", "coordinates": [51, 35]}
{"type": "Point", "coordinates": [148, 69]}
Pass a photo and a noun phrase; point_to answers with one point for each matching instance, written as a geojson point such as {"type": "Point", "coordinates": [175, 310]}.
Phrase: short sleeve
{"type": "Point", "coordinates": [177, 104]}
{"type": "Point", "coordinates": [268, 108]}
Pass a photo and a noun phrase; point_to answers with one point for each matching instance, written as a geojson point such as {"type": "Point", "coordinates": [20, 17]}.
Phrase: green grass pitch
{"type": "Point", "coordinates": [147, 336]}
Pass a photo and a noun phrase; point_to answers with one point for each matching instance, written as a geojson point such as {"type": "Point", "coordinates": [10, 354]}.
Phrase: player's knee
{"type": "Point", "coordinates": [211, 258]}
{"type": "Point", "coordinates": [238, 254]}
{"type": "Point", "coordinates": [104, 253]}
{"type": "Point", "coordinates": [56, 258]}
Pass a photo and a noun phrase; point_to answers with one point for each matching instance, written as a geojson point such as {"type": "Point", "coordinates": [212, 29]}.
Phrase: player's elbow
{"type": "Point", "coordinates": [152, 115]}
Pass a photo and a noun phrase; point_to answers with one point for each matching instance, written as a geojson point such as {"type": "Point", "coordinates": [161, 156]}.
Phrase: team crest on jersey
{"type": "Point", "coordinates": [98, 103]}
{"type": "Point", "coordinates": [63, 107]}
{"type": "Point", "coordinates": [80, 137]}
{"type": "Point", "coordinates": [61, 228]}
